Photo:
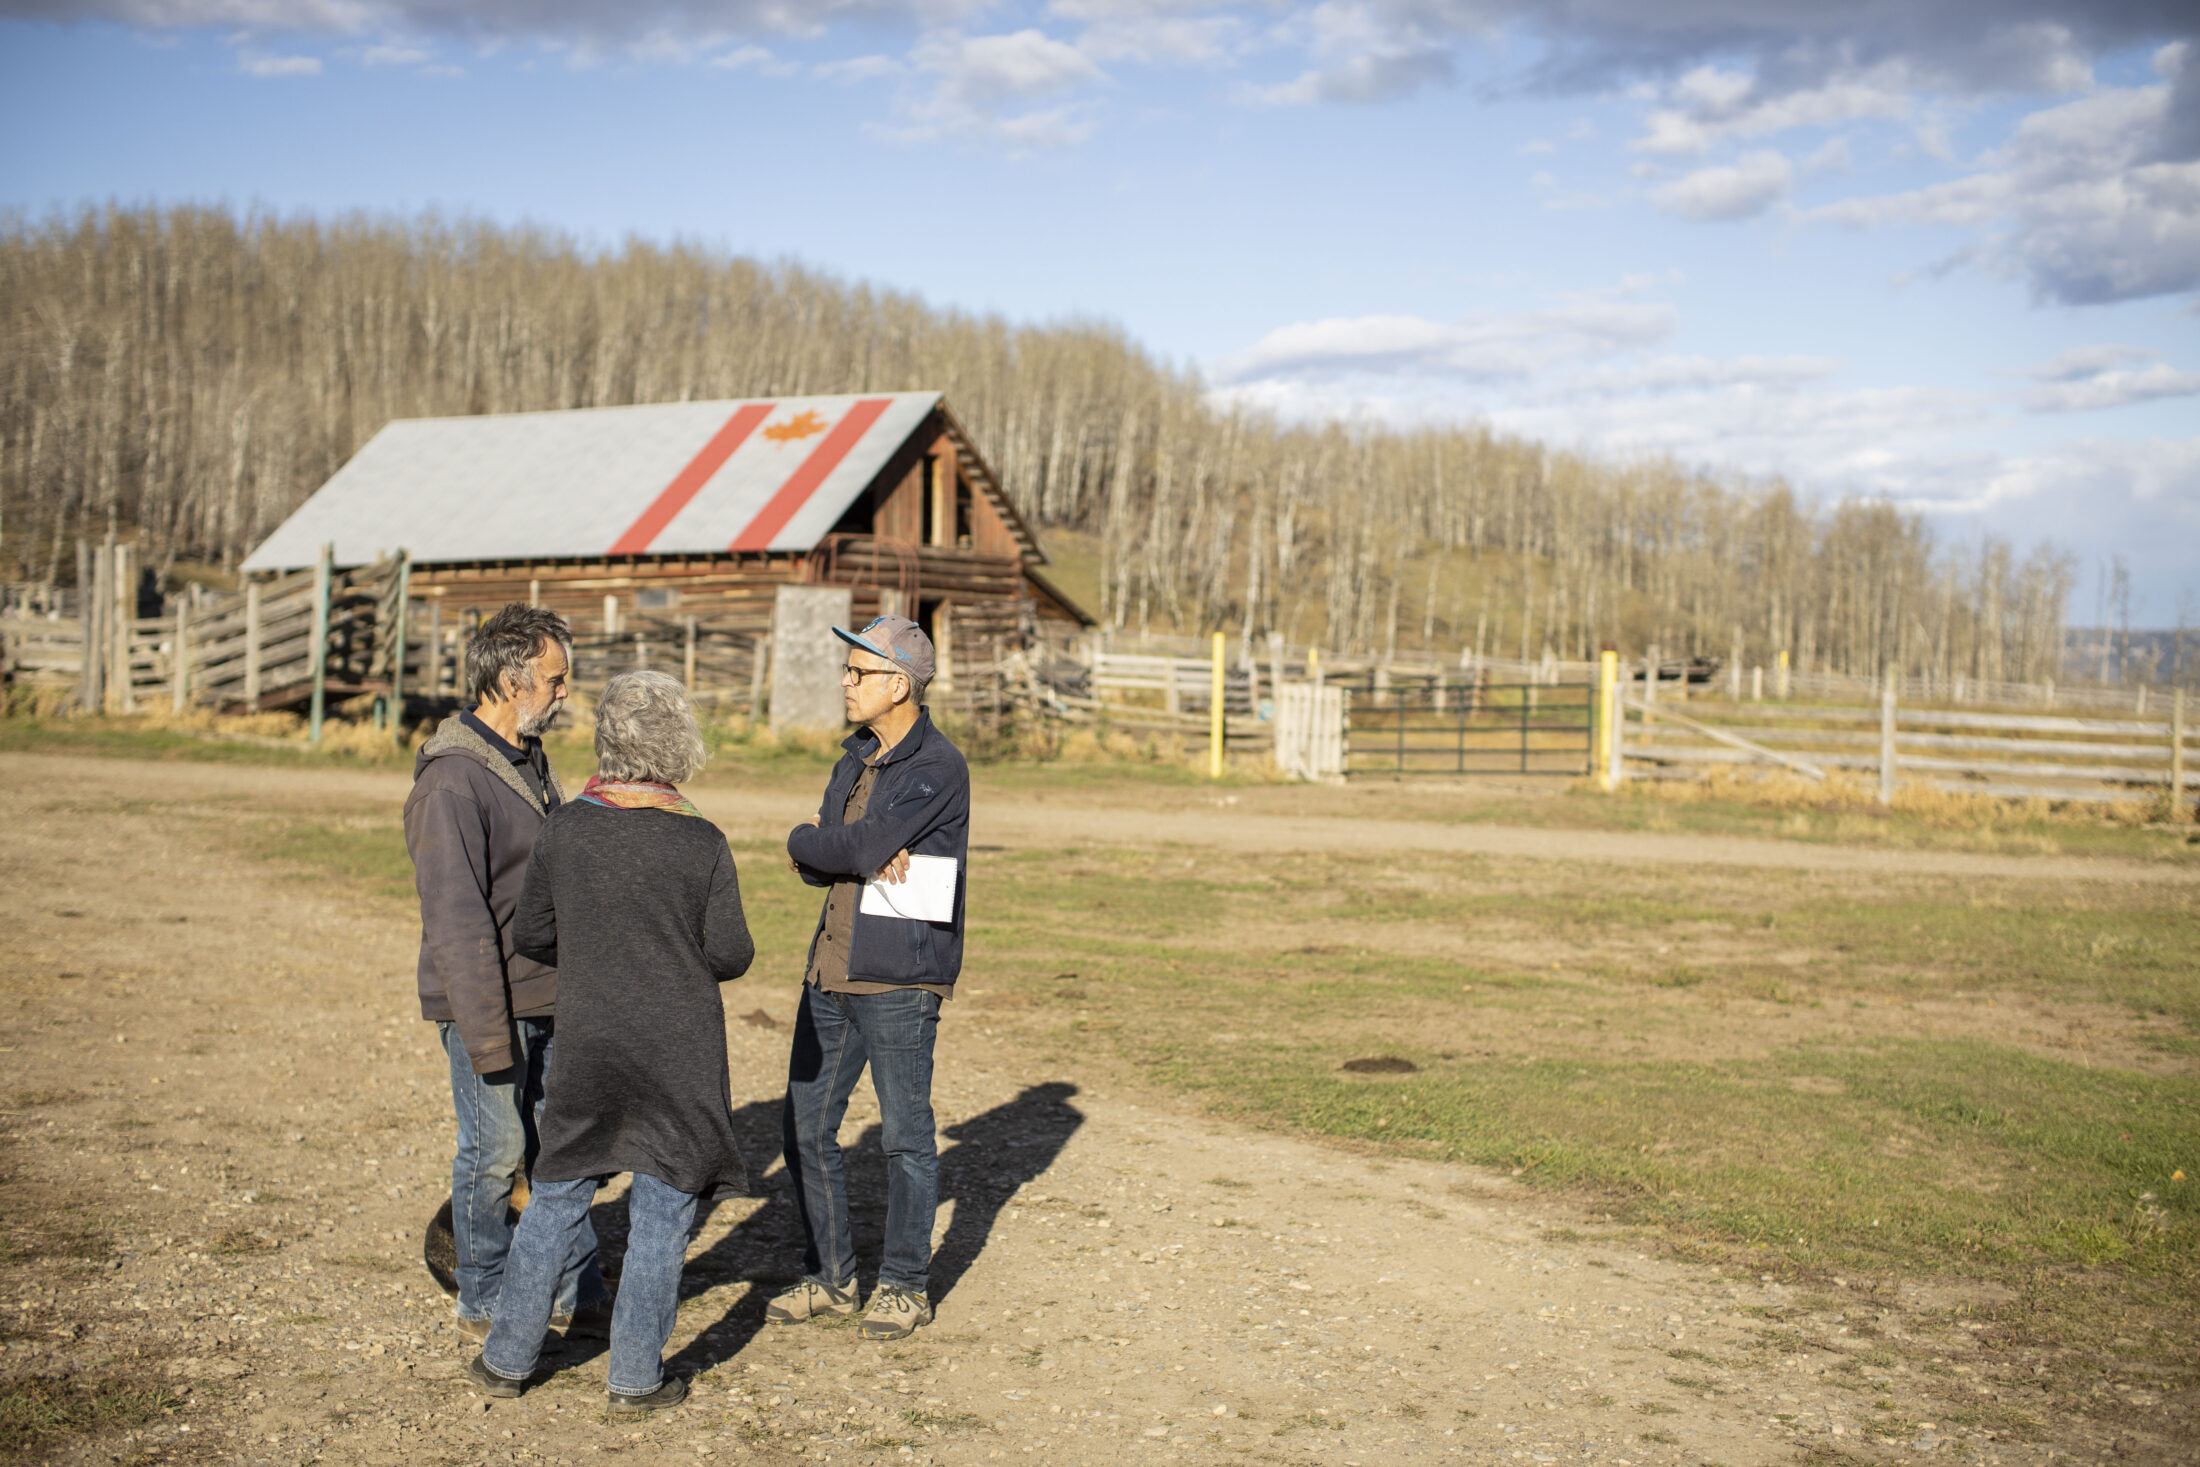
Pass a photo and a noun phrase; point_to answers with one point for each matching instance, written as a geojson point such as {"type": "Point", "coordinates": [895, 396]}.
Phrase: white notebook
{"type": "Point", "coordinates": [926, 894]}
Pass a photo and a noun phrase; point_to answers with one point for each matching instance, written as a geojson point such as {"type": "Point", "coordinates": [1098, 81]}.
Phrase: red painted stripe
{"type": "Point", "coordinates": [689, 481]}
{"type": "Point", "coordinates": [823, 459]}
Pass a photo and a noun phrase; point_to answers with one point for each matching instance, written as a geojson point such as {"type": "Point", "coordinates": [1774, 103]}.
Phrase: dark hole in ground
{"type": "Point", "coordinates": [1381, 1064]}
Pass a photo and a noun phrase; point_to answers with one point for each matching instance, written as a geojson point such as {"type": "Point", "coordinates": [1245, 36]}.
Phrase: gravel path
{"type": "Point", "coordinates": [225, 1126]}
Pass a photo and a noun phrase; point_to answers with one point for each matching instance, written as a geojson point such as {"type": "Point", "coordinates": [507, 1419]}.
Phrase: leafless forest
{"type": "Point", "coordinates": [194, 374]}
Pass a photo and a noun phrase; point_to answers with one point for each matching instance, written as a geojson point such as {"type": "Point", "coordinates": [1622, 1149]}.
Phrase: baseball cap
{"type": "Point", "coordinates": [897, 639]}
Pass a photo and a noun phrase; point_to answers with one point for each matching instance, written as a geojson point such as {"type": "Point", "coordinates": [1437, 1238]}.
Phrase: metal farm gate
{"type": "Point", "coordinates": [1490, 728]}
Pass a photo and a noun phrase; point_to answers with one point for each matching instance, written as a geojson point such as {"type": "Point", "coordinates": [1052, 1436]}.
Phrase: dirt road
{"type": "Point", "coordinates": [225, 1125]}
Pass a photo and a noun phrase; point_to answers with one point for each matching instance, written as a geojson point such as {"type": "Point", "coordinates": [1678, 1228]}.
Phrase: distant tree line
{"type": "Point", "coordinates": [192, 375]}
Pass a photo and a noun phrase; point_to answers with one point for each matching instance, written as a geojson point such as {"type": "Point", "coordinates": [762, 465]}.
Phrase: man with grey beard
{"type": "Point", "coordinates": [482, 787]}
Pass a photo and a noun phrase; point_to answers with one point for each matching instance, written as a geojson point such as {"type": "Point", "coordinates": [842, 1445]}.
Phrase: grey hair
{"type": "Point", "coordinates": [646, 731]}
{"type": "Point", "coordinates": [502, 646]}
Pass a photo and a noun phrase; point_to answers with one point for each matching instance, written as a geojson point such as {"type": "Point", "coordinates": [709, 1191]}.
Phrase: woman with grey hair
{"type": "Point", "coordinates": [632, 896]}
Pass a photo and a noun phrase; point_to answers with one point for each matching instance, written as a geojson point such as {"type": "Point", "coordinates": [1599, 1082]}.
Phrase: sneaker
{"type": "Point", "coordinates": [895, 1312]}
{"type": "Point", "coordinates": [475, 1330]}
{"type": "Point", "coordinates": [503, 1387]}
{"type": "Point", "coordinates": [670, 1392]}
{"type": "Point", "coordinates": [809, 1299]}
{"type": "Point", "coordinates": [589, 1322]}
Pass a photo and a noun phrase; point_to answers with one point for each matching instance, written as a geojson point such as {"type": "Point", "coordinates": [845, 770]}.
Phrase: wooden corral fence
{"type": "Point", "coordinates": [2010, 755]}
{"type": "Point", "coordinates": [266, 646]}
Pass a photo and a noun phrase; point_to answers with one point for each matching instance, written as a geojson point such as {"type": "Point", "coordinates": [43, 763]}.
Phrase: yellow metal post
{"type": "Point", "coordinates": [1214, 715]}
{"type": "Point", "coordinates": [1607, 712]}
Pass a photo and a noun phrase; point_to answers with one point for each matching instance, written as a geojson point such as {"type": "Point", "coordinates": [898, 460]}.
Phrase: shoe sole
{"type": "Point", "coordinates": [634, 1405]}
{"type": "Point", "coordinates": [488, 1382]}
{"type": "Point", "coordinates": [901, 1333]}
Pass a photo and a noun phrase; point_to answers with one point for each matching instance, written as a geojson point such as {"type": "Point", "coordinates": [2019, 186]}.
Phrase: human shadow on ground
{"type": "Point", "coordinates": [993, 1154]}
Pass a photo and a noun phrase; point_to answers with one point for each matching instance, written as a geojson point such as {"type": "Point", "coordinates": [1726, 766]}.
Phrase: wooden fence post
{"type": "Point", "coordinates": [179, 668]}
{"type": "Point", "coordinates": [121, 623]}
{"type": "Point", "coordinates": [398, 646]}
{"type": "Point", "coordinates": [432, 668]}
{"type": "Point", "coordinates": [89, 580]}
{"type": "Point", "coordinates": [324, 573]}
{"type": "Point", "coordinates": [1215, 696]}
{"type": "Point", "coordinates": [1886, 740]}
{"type": "Point", "coordinates": [252, 645]}
{"type": "Point", "coordinates": [687, 659]}
{"type": "Point", "coordinates": [1780, 680]}
{"type": "Point", "coordinates": [2177, 755]}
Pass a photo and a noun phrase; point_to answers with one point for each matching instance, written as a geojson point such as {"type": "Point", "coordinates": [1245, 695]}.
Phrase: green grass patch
{"type": "Point", "coordinates": [1850, 1148]}
{"type": "Point", "coordinates": [35, 1410]}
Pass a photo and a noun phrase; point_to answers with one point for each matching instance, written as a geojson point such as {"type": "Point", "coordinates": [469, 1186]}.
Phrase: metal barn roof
{"type": "Point", "coordinates": [670, 478]}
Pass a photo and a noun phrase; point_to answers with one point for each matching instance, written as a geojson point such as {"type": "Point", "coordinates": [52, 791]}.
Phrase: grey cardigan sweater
{"type": "Point", "coordinates": [470, 826]}
{"type": "Point", "coordinates": [641, 912]}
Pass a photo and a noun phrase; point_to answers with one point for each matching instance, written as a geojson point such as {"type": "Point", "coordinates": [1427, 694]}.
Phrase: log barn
{"type": "Point", "coordinates": [667, 531]}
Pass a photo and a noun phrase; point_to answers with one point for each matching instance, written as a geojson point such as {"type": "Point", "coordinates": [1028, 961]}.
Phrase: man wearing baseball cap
{"type": "Point", "coordinates": [876, 979]}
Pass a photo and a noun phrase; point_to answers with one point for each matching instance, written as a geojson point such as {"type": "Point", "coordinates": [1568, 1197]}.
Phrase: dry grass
{"type": "Point", "coordinates": [1846, 791]}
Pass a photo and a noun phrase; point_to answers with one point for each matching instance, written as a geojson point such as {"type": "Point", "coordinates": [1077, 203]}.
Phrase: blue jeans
{"type": "Point", "coordinates": [661, 1219]}
{"type": "Point", "coordinates": [497, 1114]}
{"type": "Point", "coordinates": [835, 1034]}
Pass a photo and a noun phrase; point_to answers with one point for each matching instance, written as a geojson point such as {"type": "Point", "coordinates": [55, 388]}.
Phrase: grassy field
{"type": "Point", "coordinates": [1911, 1075]}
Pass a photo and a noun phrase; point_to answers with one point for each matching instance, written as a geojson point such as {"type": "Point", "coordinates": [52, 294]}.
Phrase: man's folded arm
{"type": "Point", "coordinates": [860, 849]}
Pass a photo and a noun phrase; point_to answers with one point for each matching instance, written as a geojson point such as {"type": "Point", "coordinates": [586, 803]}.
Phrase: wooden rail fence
{"type": "Point", "coordinates": [2020, 756]}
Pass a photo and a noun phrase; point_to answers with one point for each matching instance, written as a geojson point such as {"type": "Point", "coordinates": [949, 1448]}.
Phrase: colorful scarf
{"type": "Point", "coordinates": [639, 794]}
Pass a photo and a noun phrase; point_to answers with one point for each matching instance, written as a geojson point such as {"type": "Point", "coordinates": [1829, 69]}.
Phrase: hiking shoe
{"type": "Point", "coordinates": [895, 1312]}
{"type": "Point", "coordinates": [809, 1299]}
{"type": "Point", "coordinates": [474, 1330]}
{"type": "Point", "coordinates": [670, 1392]}
{"type": "Point", "coordinates": [589, 1322]}
{"type": "Point", "coordinates": [504, 1388]}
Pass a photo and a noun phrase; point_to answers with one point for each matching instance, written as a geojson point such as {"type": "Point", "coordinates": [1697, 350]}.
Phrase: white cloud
{"type": "Point", "coordinates": [1486, 347]}
{"type": "Point", "coordinates": [1385, 78]}
{"type": "Point", "coordinates": [988, 70]}
{"type": "Point", "coordinates": [2096, 496]}
{"type": "Point", "coordinates": [1713, 106]}
{"type": "Point", "coordinates": [2081, 201]}
{"type": "Point", "coordinates": [1696, 374]}
{"type": "Point", "coordinates": [984, 88]}
{"type": "Point", "coordinates": [2111, 389]}
{"type": "Point", "coordinates": [1740, 190]}
{"type": "Point", "coordinates": [754, 58]}
{"type": "Point", "coordinates": [395, 56]}
{"type": "Point", "coordinates": [1367, 53]}
{"type": "Point", "coordinates": [1154, 32]}
{"type": "Point", "coordinates": [269, 68]}
{"type": "Point", "coordinates": [2081, 362]}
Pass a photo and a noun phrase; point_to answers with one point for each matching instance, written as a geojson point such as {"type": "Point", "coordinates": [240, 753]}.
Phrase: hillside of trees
{"type": "Point", "coordinates": [191, 375]}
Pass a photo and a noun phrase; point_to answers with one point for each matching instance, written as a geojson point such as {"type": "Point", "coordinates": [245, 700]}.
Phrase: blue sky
{"type": "Point", "coordinates": [1945, 252]}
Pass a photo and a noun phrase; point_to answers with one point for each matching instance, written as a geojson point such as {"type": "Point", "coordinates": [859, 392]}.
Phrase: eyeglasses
{"type": "Point", "coordinates": [850, 673]}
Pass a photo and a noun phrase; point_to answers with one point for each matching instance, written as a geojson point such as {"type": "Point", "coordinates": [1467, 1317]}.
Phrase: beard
{"type": "Point", "coordinates": [534, 725]}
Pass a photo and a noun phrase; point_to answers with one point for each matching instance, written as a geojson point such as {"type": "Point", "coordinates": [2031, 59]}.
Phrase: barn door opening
{"type": "Point", "coordinates": [937, 616]}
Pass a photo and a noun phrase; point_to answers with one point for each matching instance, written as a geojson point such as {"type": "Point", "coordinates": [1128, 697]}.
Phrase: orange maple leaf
{"type": "Point", "coordinates": [801, 425]}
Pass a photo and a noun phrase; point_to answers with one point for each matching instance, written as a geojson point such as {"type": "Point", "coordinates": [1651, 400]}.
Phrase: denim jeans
{"type": "Point", "coordinates": [661, 1218]}
{"type": "Point", "coordinates": [835, 1034]}
{"type": "Point", "coordinates": [496, 1138]}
